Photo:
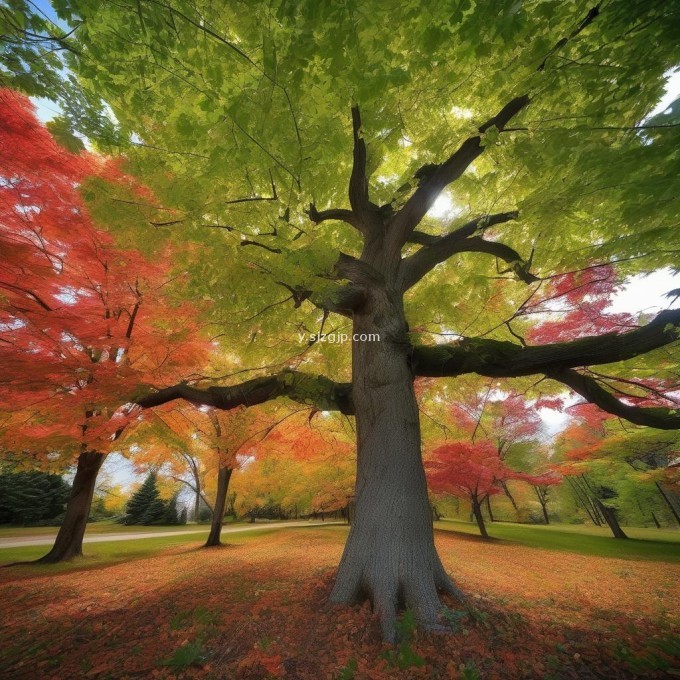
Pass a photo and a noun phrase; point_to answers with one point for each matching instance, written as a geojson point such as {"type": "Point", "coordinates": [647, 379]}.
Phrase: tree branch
{"type": "Point", "coordinates": [315, 390]}
{"type": "Point", "coordinates": [249, 242]}
{"type": "Point", "coordinates": [589, 18]}
{"type": "Point", "coordinates": [341, 214]}
{"type": "Point", "coordinates": [415, 208]}
{"type": "Point", "coordinates": [659, 417]}
{"type": "Point", "coordinates": [413, 211]}
{"type": "Point", "coordinates": [438, 249]}
{"type": "Point", "coordinates": [500, 359]}
{"type": "Point", "coordinates": [517, 263]}
{"type": "Point", "coordinates": [368, 215]}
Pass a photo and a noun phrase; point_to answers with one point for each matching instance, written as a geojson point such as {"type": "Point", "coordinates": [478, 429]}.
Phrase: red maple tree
{"type": "Point", "coordinates": [83, 324]}
{"type": "Point", "coordinates": [475, 471]}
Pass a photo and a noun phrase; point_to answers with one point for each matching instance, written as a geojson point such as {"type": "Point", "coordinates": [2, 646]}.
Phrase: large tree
{"type": "Point", "coordinates": [257, 126]}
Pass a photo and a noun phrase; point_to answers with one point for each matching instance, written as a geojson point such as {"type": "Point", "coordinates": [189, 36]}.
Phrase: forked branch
{"type": "Point", "coordinates": [413, 211]}
{"type": "Point", "coordinates": [438, 249]}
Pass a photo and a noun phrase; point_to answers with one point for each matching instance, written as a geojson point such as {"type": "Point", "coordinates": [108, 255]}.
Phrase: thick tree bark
{"type": "Point", "coordinates": [389, 556]}
{"type": "Point", "coordinates": [611, 520]}
{"type": "Point", "coordinates": [69, 541]}
{"type": "Point", "coordinates": [223, 477]}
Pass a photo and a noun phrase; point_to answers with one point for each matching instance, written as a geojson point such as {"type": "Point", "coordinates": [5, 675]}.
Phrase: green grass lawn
{"type": "Point", "coordinates": [650, 544]}
{"type": "Point", "coordinates": [104, 554]}
{"type": "Point", "coordinates": [106, 527]}
{"type": "Point", "coordinates": [110, 527]}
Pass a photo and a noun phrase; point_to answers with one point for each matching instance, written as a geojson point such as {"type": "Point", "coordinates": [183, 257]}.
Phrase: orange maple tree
{"type": "Point", "coordinates": [84, 324]}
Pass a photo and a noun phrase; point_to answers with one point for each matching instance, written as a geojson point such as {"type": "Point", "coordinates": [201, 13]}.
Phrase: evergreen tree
{"type": "Point", "coordinates": [146, 506]}
{"type": "Point", "coordinates": [29, 497]}
{"type": "Point", "coordinates": [171, 515]}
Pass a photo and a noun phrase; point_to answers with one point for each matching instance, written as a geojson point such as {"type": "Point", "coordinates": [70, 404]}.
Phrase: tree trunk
{"type": "Point", "coordinates": [488, 507]}
{"type": "Point", "coordinates": [69, 541]}
{"type": "Point", "coordinates": [506, 491]}
{"type": "Point", "coordinates": [585, 502]}
{"type": "Point", "coordinates": [542, 496]}
{"type": "Point", "coordinates": [389, 556]}
{"type": "Point", "coordinates": [611, 520]}
{"type": "Point", "coordinates": [656, 521]}
{"type": "Point", "coordinates": [223, 477]}
{"type": "Point", "coordinates": [197, 504]}
{"type": "Point", "coordinates": [477, 512]}
{"type": "Point", "coordinates": [668, 502]}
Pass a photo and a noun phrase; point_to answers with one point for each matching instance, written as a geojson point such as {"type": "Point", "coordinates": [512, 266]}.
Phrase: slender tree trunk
{"type": "Point", "coordinates": [611, 520]}
{"type": "Point", "coordinates": [197, 504]}
{"type": "Point", "coordinates": [668, 502]}
{"type": "Point", "coordinates": [591, 496]}
{"type": "Point", "coordinates": [69, 541]}
{"type": "Point", "coordinates": [506, 491]}
{"type": "Point", "coordinates": [389, 556]}
{"type": "Point", "coordinates": [543, 500]}
{"type": "Point", "coordinates": [223, 477]}
{"type": "Point", "coordinates": [585, 502]}
{"type": "Point", "coordinates": [477, 512]}
{"type": "Point", "coordinates": [656, 521]}
{"type": "Point", "coordinates": [488, 507]}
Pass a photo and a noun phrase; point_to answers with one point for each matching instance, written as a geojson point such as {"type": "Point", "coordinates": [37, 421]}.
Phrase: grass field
{"type": "Point", "coordinates": [105, 527]}
{"type": "Point", "coordinates": [649, 544]}
{"type": "Point", "coordinates": [257, 608]}
{"type": "Point", "coordinates": [105, 553]}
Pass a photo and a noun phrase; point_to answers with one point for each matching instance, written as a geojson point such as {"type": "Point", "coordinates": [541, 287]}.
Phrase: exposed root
{"type": "Point", "coordinates": [415, 592]}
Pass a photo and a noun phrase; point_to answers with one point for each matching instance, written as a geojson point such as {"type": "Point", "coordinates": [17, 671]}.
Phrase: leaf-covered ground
{"type": "Point", "coordinates": [258, 609]}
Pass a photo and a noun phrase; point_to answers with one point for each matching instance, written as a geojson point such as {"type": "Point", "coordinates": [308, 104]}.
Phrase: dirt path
{"type": "Point", "coordinates": [23, 541]}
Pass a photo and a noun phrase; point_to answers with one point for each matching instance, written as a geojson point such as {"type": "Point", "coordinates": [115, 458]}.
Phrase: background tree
{"type": "Point", "coordinates": [83, 323]}
{"type": "Point", "coordinates": [147, 507]}
{"type": "Point", "coordinates": [474, 471]}
{"type": "Point", "coordinates": [30, 497]}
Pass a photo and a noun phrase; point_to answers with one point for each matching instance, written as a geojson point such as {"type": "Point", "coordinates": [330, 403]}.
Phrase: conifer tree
{"type": "Point", "coordinates": [146, 506]}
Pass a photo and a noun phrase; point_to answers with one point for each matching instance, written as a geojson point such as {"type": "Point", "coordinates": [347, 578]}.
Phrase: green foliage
{"type": "Point", "coordinates": [31, 497]}
{"type": "Point", "coordinates": [404, 656]}
{"type": "Point", "coordinates": [348, 671]}
{"type": "Point", "coordinates": [215, 105]}
{"type": "Point", "coordinates": [470, 672]}
{"type": "Point", "coordinates": [147, 507]}
{"type": "Point", "coordinates": [454, 618]}
{"type": "Point", "coordinates": [189, 654]}
{"type": "Point", "coordinates": [98, 510]}
{"type": "Point", "coordinates": [171, 514]}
